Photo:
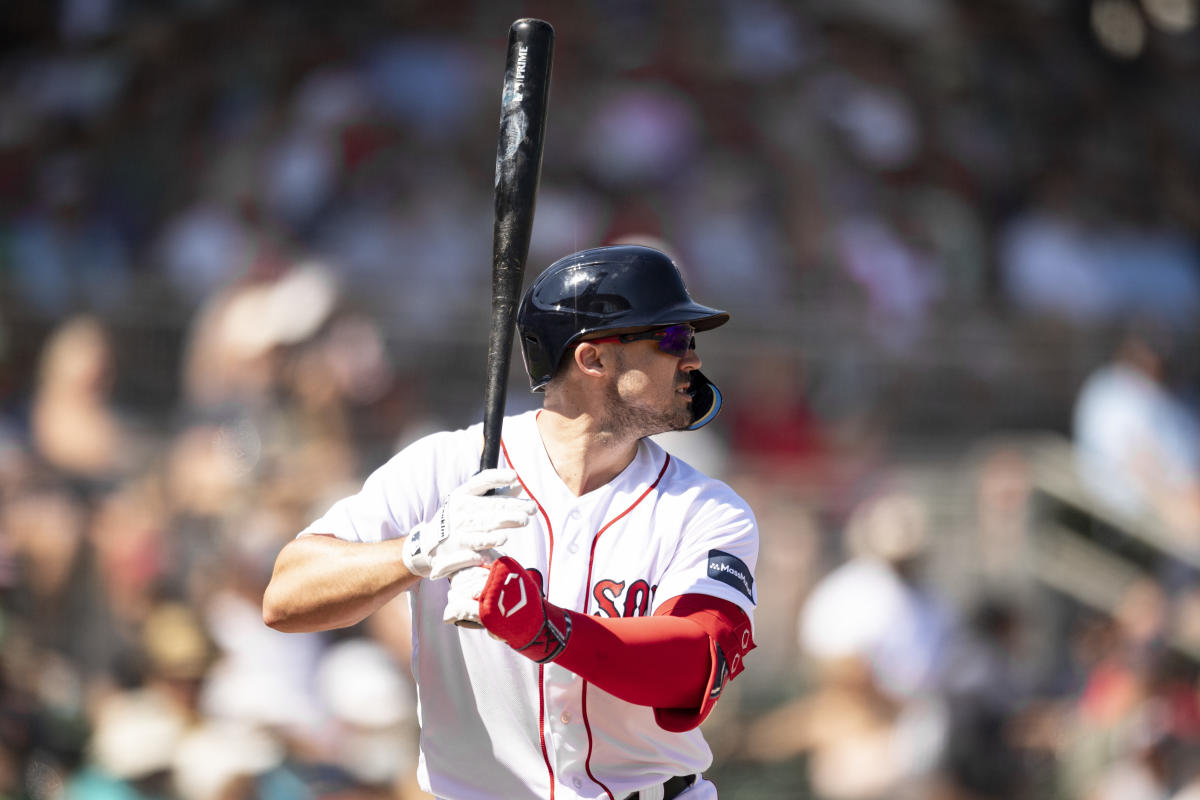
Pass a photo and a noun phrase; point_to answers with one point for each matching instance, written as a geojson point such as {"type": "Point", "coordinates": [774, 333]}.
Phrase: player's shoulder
{"type": "Point", "coordinates": [521, 424]}
{"type": "Point", "coordinates": [448, 455]}
{"type": "Point", "coordinates": [698, 487]}
{"type": "Point", "coordinates": [519, 438]}
{"type": "Point", "coordinates": [439, 442]}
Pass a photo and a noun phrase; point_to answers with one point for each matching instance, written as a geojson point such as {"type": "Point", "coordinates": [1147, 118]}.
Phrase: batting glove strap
{"type": "Point", "coordinates": [416, 554]}
{"type": "Point", "coordinates": [551, 640]}
{"type": "Point", "coordinates": [512, 608]}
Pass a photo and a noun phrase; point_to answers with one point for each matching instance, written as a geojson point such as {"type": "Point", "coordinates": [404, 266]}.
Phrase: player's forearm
{"type": "Point", "coordinates": [661, 662]}
{"type": "Point", "coordinates": [320, 583]}
{"type": "Point", "coordinates": [657, 661]}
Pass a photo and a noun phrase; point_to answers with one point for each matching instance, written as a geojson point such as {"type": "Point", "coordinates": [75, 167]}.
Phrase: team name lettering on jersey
{"type": "Point", "coordinates": [608, 595]}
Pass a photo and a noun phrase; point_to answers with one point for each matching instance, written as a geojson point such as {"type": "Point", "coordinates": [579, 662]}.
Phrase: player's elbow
{"type": "Point", "coordinates": [275, 612]}
{"type": "Point", "coordinates": [282, 608]}
{"type": "Point", "coordinates": [287, 600]}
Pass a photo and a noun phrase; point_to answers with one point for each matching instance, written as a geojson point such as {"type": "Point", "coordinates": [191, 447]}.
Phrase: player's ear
{"type": "Point", "coordinates": [591, 359]}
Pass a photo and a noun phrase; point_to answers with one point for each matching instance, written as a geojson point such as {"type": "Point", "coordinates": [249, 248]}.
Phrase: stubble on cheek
{"type": "Point", "coordinates": [627, 416]}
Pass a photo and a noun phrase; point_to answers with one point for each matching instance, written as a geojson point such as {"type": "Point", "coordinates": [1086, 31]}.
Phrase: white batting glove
{"type": "Point", "coordinates": [468, 523]}
{"type": "Point", "coordinates": [462, 603]}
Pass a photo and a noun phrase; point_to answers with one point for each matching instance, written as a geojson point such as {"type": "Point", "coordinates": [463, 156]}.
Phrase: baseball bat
{"type": "Point", "coordinates": [518, 168]}
{"type": "Point", "coordinates": [523, 106]}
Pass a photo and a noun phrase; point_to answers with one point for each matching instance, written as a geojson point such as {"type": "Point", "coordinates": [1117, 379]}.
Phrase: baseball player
{"type": "Point", "coordinates": [615, 582]}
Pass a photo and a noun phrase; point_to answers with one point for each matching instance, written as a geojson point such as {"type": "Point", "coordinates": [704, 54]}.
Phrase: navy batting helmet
{"type": "Point", "coordinates": [617, 289]}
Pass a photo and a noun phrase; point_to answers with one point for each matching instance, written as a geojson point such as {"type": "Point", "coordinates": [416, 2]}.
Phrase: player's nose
{"type": "Point", "coordinates": [690, 360]}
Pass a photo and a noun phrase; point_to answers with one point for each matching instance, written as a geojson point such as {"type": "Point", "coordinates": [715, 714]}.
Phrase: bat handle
{"type": "Point", "coordinates": [490, 555]}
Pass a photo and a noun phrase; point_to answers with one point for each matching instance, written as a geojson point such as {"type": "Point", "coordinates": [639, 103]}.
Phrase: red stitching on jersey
{"type": "Point", "coordinates": [587, 598]}
{"type": "Point", "coordinates": [542, 511]}
{"type": "Point", "coordinates": [546, 590]}
{"type": "Point", "coordinates": [542, 724]}
{"type": "Point", "coordinates": [587, 726]}
{"type": "Point", "coordinates": [592, 555]}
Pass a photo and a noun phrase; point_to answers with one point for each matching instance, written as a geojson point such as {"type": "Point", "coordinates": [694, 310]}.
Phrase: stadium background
{"type": "Point", "coordinates": [244, 252]}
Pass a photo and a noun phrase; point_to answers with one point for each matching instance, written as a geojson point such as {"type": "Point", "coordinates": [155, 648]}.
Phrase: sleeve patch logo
{"type": "Point", "coordinates": [729, 569]}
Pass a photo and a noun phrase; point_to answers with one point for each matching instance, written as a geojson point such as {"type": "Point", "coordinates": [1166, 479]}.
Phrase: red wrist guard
{"type": "Point", "coordinates": [512, 609]}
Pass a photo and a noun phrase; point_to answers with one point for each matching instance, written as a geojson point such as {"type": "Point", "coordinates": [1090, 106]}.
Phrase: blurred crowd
{"type": "Point", "coordinates": [245, 256]}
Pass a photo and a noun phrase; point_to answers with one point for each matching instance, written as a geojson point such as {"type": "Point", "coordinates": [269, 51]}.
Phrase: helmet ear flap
{"type": "Point", "coordinates": [537, 360]}
{"type": "Point", "coordinates": [706, 400]}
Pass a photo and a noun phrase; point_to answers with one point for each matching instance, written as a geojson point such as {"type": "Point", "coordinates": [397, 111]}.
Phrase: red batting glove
{"type": "Point", "coordinates": [512, 609]}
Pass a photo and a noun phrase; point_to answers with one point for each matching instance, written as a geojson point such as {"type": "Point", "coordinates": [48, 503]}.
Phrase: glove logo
{"type": "Point", "coordinates": [520, 603]}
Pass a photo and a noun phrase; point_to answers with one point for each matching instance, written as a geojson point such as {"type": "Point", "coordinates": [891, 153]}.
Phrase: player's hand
{"type": "Point", "coordinates": [470, 522]}
{"type": "Point", "coordinates": [514, 611]}
{"type": "Point", "coordinates": [462, 603]}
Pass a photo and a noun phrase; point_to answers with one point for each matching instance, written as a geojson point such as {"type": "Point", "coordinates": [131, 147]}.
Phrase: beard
{"type": "Point", "coordinates": [624, 420]}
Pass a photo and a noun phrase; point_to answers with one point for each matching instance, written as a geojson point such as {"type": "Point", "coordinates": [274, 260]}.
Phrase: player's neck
{"type": "Point", "coordinates": [583, 454]}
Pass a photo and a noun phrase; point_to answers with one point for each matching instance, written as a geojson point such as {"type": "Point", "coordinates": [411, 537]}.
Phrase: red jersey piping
{"type": "Point", "coordinates": [587, 599]}
{"type": "Point", "coordinates": [546, 589]}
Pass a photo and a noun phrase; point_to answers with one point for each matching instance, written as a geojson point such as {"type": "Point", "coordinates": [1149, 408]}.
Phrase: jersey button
{"type": "Point", "coordinates": [578, 783]}
{"type": "Point", "coordinates": [574, 548]}
{"type": "Point", "coordinates": [566, 717]}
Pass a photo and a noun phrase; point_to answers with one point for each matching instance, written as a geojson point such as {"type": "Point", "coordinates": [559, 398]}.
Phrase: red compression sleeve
{"type": "Point", "coordinates": [676, 661]}
{"type": "Point", "coordinates": [650, 661]}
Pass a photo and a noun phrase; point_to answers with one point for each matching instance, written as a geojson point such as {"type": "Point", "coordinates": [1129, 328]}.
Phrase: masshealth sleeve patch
{"type": "Point", "coordinates": [732, 571]}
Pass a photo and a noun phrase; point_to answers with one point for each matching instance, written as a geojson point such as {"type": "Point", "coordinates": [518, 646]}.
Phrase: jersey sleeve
{"type": "Point", "coordinates": [403, 492]}
{"type": "Point", "coordinates": [717, 552]}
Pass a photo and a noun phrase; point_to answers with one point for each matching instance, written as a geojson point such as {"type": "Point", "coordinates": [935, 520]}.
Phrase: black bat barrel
{"type": "Point", "coordinates": [518, 169]}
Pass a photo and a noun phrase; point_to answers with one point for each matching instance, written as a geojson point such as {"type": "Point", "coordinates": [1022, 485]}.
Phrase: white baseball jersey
{"type": "Point", "coordinates": [495, 724]}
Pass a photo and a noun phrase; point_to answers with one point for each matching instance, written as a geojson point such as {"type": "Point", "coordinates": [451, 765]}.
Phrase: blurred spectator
{"type": "Point", "coordinates": [204, 248]}
{"type": "Point", "coordinates": [638, 134]}
{"type": "Point", "coordinates": [373, 709]}
{"type": "Point", "coordinates": [129, 532]}
{"type": "Point", "coordinates": [64, 254]}
{"type": "Point", "coordinates": [233, 352]}
{"type": "Point", "coordinates": [1138, 444]}
{"type": "Point", "coordinates": [773, 430]}
{"type": "Point", "coordinates": [1047, 258]}
{"type": "Point", "coordinates": [873, 609]}
{"type": "Point", "coordinates": [727, 230]}
{"type": "Point", "coordinates": [987, 687]}
{"type": "Point", "coordinates": [900, 282]}
{"type": "Point", "coordinates": [76, 426]}
{"type": "Point", "coordinates": [874, 640]}
{"type": "Point", "coordinates": [231, 761]}
{"type": "Point", "coordinates": [1065, 257]}
{"type": "Point", "coordinates": [177, 653]}
{"type": "Point", "coordinates": [260, 677]}
{"type": "Point", "coordinates": [1137, 711]}
{"type": "Point", "coordinates": [131, 749]}
{"type": "Point", "coordinates": [55, 598]}
{"type": "Point", "coordinates": [1003, 485]}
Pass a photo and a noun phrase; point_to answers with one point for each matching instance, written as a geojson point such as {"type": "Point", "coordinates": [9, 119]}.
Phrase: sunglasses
{"type": "Point", "coordinates": [674, 340]}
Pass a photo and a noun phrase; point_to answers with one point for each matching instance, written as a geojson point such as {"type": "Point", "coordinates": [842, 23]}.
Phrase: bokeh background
{"type": "Point", "coordinates": [245, 256]}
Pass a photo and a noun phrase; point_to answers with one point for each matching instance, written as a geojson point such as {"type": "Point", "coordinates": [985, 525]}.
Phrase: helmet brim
{"type": "Point", "coordinates": [702, 318]}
